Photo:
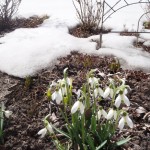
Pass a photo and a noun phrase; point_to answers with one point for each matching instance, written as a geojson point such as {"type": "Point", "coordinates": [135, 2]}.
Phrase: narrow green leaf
{"type": "Point", "coordinates": [93, 123]}
{"type": "Point", "coordinates": [90, 142]}
{"type": "Point", "coordinates": [61, 132]}
{"type": "Point", "coordinates": [102, 144]}
{"type": "Point", "coordinates": [121, 142]}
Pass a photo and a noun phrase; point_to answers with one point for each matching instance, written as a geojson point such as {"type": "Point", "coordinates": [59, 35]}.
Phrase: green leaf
{"type": "Point", "coordinates": [65, 100]}
{"type": "Point", "coordinates": [121, 142]}
{"type": "Point", "coordinates": [90, 142]}
{"type": "Point", "coordinates": [93, 123]}
{"type": "Point", "coordinates": [102, 144]}
{"type": "Point", "coordinates": [61, 132]}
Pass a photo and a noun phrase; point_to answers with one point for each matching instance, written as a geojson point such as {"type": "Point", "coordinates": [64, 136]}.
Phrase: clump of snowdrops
{"type": "Point", "coordinates": [3, 113]}
{"type": "Point", "coordinates": [88, 124]}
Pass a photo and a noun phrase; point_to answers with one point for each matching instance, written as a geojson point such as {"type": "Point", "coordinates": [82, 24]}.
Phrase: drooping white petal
{"type": "Point", "coordinates": [118, 101]}
{"type": "Point", "coordinates": [78, 93]}
{"type": "Point", "coordinates": [81, 108]}
{"type": "Point", "coordinates": [96, 92]}
{"type": "Point", "coordinates": [121, 123]}
{"type": "Point", "coordinates": [129, 121]}
{"type": "Point", "coordinates": [104, 113]}
{"type": "Point", "coordinates": [125, 91]}
{"type": "Point", "coordinates": [100, 91]}
{"type": "Point", "coordinates": [102, 74]}
{"type": "Point", "coordinates": [58, 97]}
{"type": "Point", "coordinates": [99, 113]}
{"type": "Point", "coordinates": [42, 132]}
{"type": "Point", "coordinates": [126, 100]}
{"type": "Point", "coordinates": [111, 93]}
{"type": "Point", "coordinates": [61, 81]}
{"type": "Point", "coordinates": [110, 114]}
{"type": "Point", "coordinates": [93, 81]}
{"type": "Point", "coordinates": [53, 84]}
{"type": "Point", "coordinates": [49, 128]}
{"type": "Point", "coordinates": [75, 107]}
{"type": "Point", "coordinates": [107, 92]}
{"type": "Point", "coordinates": [64, 91]}
{"type": "Point", "coordinates": [69, 81]}
{"type": "Point", "coordinates": [8, 113]}
{"type": "Point", "coordinates": [54, 96]}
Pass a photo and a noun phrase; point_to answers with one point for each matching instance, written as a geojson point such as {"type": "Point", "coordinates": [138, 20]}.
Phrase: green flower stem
{"type": "Point", "coordinates": [1, 122]}
{"type": "Point", "coordinates": [83, 128]}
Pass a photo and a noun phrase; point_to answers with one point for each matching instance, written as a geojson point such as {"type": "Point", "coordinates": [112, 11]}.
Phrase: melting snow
{"type": "Point", "coordinates": [24, 51]}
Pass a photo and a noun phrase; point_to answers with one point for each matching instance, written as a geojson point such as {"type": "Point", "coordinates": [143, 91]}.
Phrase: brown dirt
{"type": "Point", "coordinates": [84, 32]}
{"type": "Point", "coordinates": [31, 22]}
{"type": "Point", "coordinates": [30, 105]}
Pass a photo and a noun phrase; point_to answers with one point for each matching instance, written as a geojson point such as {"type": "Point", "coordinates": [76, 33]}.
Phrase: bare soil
{"type": "Point", "coordinates": [30, 105]}
{"type": "Point", "coordinates": [16, 23]}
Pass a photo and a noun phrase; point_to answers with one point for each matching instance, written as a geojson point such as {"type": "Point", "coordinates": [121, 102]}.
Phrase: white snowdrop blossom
{"type": "Point", "coordinates": [107, 92]}
{"type": "Point", "coordinates": [102, 74]}
{"type": "Point", "coordinates": [125, 91]}
{"type": "Point", "coordinates": [112, 114]}
{"type": "Point", "coordinates": [123, 120]}
{"type": "Point", "coordinates": [42, 132]}
{"type": "Point", "coordinates": [57, 95]}
{"type": "Point", "coordinates": [64, 81]}
{"type": "Point", "coordinates": [53, 84]}
{"type": "Point", "coordinates": [48, 128]}
{"type": "Point", "coordinates": [64, 90]}
{"type": "Point", "coordinates": [93, 81]}
{"type": "Point", "coordinates": [7, 113]}
{"type": "Point", "coordinates": [78, 93]}
{"type": "Point", "coordinates": [77, 106]}
{"type": "Point", "coordinates": [69, 81]}
{"type": "Point", "coordinates": [123, 80]}
{"type": "Point", "coordinates": [120, 98]}
{"type": "Point", "coordinates": [100, 113]}
{"type": "Point", "coordinates": [98, 92]}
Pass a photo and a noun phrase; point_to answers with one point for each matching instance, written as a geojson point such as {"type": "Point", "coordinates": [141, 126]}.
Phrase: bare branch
{"type": "Point", "coordinates": [8, 9]}
{"type": "Point", "coordinates": [88, 12]}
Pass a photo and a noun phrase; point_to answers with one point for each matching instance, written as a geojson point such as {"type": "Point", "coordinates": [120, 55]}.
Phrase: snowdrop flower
{"type": "Point", "coordinates": [57, 95]}
{"type": "Point", "coordinates": [108, 91]}
{"type": "Point", "coordinates": [123, 120]}
{"type": "Point", "coordinates": [69, 81]}
{"type": "Point", "coordinates": [7, 113]}
{"type": "Point", "coordinates": [93, 81]}
{"type": "Point", "coordinates": [48, 128]}
{"type": "Point", "coordinates": [122, 97]}
{"type": "Point", "coordinates": [78, 93]}
{"type": "Point", "coordinates": [77, 106]}
{"type": "Point", "coordinates": [98, 92]}
{"type": "Point", "coordinates": [112, 113]}
{"type": "Point", "coordinates": [123, 80]}
{"type": "Point", "coordinates": [64, 81]}
{"type": "Point", "coordinates": [100, 113]}
{"type": "Point", "coordinates": [53, 84]}
{"type": "Point", "coordinates": [64, 90]}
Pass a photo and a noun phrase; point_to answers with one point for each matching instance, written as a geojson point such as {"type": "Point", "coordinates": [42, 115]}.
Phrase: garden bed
{"type": "Point", "coordinates": [29, 104]}
{"type": "Point", "coordinates": [31, 22]}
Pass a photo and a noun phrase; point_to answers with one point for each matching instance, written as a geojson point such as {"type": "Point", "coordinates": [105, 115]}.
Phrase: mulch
{"type": "Point", "coordinates": [31, 22]}
{"type": "Point", "coordinates": [27, 99]}
{"type": "Point", "coordinates": [30, 105]}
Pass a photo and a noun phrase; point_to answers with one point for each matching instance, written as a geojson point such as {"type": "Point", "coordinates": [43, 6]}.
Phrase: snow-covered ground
{"type": "Point", "coordinates": [23, 52]}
